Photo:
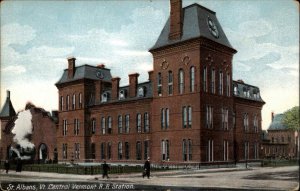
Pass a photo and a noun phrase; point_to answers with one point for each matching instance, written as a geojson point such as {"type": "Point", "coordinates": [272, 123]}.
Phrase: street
{"type": "Point", "coordinates": [255, 178]}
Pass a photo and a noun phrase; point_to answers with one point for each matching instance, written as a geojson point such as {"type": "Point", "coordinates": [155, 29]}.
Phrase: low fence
{"type": "Point", "coordinates": [273, 162]}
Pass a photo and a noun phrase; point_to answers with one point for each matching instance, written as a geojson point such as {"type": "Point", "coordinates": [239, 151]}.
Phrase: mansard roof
{"type": "Point", "coordinates": [195, 25]}
{"type": "Point", "coordinates": [86, 72]}
{"type": "Point", "coordinates": [277, 123]}
{"type": "Point", "coordinates": [246, 91]}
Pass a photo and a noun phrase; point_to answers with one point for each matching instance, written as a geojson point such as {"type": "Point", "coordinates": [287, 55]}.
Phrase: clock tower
{"type": "Point", "coordinates": [192, 94]}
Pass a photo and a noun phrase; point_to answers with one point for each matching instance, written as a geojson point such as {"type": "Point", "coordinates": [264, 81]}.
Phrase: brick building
{"type": "Point", "coordinates": [43, 135]}
{"type": "Point", "coordinates": [189, 111]}
{"type": "Point", "coordinates": [280, 142]}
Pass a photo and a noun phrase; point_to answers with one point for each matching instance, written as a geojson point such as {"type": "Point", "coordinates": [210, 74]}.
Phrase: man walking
{"type": "Point", "coordinates": [6, 165]}
{"type": "Point", "coordinates": [105, 169]}
{"type": "Point", "coordinates": [147, 168]}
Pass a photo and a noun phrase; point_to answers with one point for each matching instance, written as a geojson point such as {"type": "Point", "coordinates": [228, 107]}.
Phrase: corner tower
{"type": "Point", "coordinates": [192, 94]}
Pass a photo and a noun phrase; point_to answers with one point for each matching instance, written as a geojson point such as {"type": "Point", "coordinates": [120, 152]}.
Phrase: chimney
{"type": "Point", "coordinates": [175, 20]}
{"type": "Point", "coordinates": [8, 94]}
{"type": "Point", "coordinates": [133, 81]}
{"type": "Point", "coordinates": [71, 67]}
{"type": "Point", "coordinates": [272, 115]}
{"type": "Point", "coordinates": [101, 66]}
{"type": "Point", "coordinates": [115, 88]}
{"type": "Point", "coordinates": [150, 73]}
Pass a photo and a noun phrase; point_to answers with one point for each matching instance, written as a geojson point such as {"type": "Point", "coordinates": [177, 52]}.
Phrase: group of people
{"type": "Point", "coordinates": [18, 165]}
{"type": "Point", "coordinates": [146, 172]}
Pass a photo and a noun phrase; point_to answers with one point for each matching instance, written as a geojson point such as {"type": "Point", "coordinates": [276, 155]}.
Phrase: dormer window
{"type": "Point", "coordinates": [122, 94]}
{"type": "Point", "coordinates": [141, 92]}
{"type": "Point", "coordinates": [245, 91]}
{"type": "Point", "coordinates": [104, 97]}
{"type": "Point", "coordinates": [235, 90]}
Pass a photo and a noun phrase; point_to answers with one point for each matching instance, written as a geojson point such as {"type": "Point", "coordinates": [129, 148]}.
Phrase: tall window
{"type": "Point", "coordinates": [256, 150]}
{"type": "Point", "coordinates": [205, 79]}
{"type": "Point", "coordinates": [74, 102]}
{"type": "Point", "coordinates": [93, 126]}
{"type": "Point", "coordinates": [67, 102]}
{"type": "Point", "coordinates": [235, 90]}
{"type": "Point", "coordinates": [162, 118]}
{"type": "Point", "coordinates": [165, 150]}
{"type": "Point", "coordinates": [120, 123]}
{"type": "Point", "coordinates": [167, 118]}
{"type": "Point", "coordinates": [187, 150]}
{"type": "Point", "coordinates": [184, 116]}
{"type": "Point", "coordinates": [255, 123]}
{"type": "Point", "coordinates": [228, 85]}
{"type": "Point", "coordinates": [246, 122]}
{"type": "Point", "coordinates": [138, 151]}
{"type": "Point", "coordinates": [213, 81]}
{"type": "Point", "coordinates": [65, 151]}
{"type": "Point", "coordinates": [221, 83]}
{"type": "Point", "coordinates": [225, 150]}
{"type": "Point", "coordinates": [187, 116]}
{"type": "Point", "coordinates": [109, 125]}
{"type": "Point", "coordinates": [139, 123]}
{"type": "Point", "coordinates": [146, 122]}
{"type": "Point", "coordinates": [146, 149]}
{"type": "Point", "coordinates": [170, 83]}
{"type": "Point", "coordinates": [65, 127]}
{"type": "Point", "coordinates": [103, 151]}
{"type": "Point", "coordinates": [80, 100]}
{"type": "Point", "coordinates": [77, 150]}
{"type": "Point", "coordinates": [181, 81]}
{"type": "Point", "coordinates": [76, 126]}
{"type": "Point", "coordinates": [246, 150]}
{"type": "Point", "coordinates": [103, 125]}
{"type": "Point", "coordinates": [210, 150]}
{"type": "Point", "coordinates": [192, 79]}
{"type": "Point", "coordinates": [126, 150]}
{"type": "Point", "coordinates": [61, 103]}
{"type": "Point", "coordinates": [120, 151]}
{"type": "Point", "coordinates": [225, 118]}
{"type": "Point", "coordinates": [109, 150]}
{"type": "Point", "coordinates": [209, 116]}
{"type": "Point", "coordinates": [127, 119]}
{"type": "Point", "coordinates": [159, 84]}
{"type": "Point", "coordinates": [93, 151]}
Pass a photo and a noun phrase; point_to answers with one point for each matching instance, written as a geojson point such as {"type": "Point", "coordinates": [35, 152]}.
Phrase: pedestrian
{"type": "Point", "coordinates": [19, 165]}
{"type": "Point", "coordinates": [147, 168]}
{"type": "Point", "coordinates": [6, 165]}
{"type": "Point", "coordinates": [105, 169]}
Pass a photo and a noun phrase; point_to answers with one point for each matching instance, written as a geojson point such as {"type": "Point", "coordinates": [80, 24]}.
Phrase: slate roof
{"type": "Point", "coordinates": [148, 93]}
{"type": "Point", "coordinates": [277, 123]}
{"type": "Point", "coordinates": [8, 109]}
{"type": "Point", "coordinates": [246, 91]}
{"type": "Point", "coordinates": [194, 25]}
{"type": "Point", "coordinates": [86, 72]}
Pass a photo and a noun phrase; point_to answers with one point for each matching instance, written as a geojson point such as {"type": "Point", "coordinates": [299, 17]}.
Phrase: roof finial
{"type": "Point", "coordinates": [8, 94]}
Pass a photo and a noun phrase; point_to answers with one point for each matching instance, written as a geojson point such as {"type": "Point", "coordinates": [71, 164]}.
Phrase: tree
{"type": "Point", "coordinates": [291, 118]}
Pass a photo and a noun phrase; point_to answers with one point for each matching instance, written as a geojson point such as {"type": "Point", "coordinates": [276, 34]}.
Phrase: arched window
{"type": "Point", "coordinates": [170, 83]}
{"type": "Point", "coordinates": [80, 101]}
{"type": "Point", "coordinates": [205, 79]}
{"type": "Point", "coordinates": [192, 79]}
{"type": "Point", "coordinates": [139, 123]}
{"type": "Point", "coordinates": [221, 83]}
{"type": "Point", "coordinates": [105, 97]}
{"type": "Point", "coordinates": [74, 102]}
{"type": "Point", "coordinates": [122, 94]}
{"type": "Point", "coordinates": [159, 84]}
{"type": "Point", "coordinates": [142, 92]}
{"type": "Point", "coordinates": [213, 81]}
{"type": "Point", "coordinates": [181, 81]}
{"type": "Point", "coordinates": [61, 103]}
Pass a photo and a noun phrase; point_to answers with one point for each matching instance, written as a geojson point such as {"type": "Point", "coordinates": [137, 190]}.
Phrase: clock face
{"type": "Point", "coordinates": [212, 27]}
{"type": "Point", "coordinates": [99, 74]}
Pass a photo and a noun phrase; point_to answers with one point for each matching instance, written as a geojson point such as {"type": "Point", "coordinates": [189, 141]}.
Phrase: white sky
{"type": "Point", "coordinates": [38, 36]}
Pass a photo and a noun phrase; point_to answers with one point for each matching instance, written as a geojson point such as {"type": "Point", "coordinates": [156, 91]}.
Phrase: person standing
{"type": "Point", "coordinates": [147, 168]}
{"type": "Point", "coordinates": [6, 165]}
{"type": "Point", "coordinates": [105, 169]}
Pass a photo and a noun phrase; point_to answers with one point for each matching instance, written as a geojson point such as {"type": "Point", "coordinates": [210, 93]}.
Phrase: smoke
{"type": "Point", "coordinates": [22, 128]}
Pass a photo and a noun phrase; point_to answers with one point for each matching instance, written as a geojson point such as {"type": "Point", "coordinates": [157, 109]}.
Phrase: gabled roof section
{"type": "Point", "coordinates": [8, 109]}
{"type": "Point", "coordinates": [86, 72]}
{"type": "Point", "coordinates": [246, 91]}
{"type": "Point", "coordinates": [195, 25]}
